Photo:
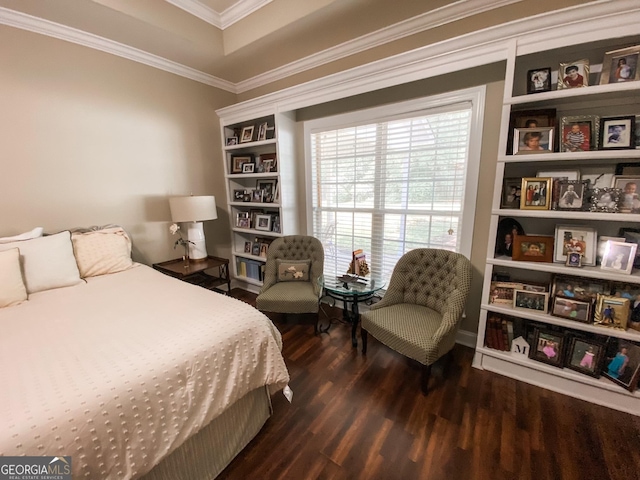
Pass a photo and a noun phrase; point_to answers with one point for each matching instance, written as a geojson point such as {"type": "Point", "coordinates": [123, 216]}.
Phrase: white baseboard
{"type": "Point", "coordinates": [466, 338]}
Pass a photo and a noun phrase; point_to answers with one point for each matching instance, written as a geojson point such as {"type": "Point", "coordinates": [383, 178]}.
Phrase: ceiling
{"type": "Point", "coordinates": [237, 44]}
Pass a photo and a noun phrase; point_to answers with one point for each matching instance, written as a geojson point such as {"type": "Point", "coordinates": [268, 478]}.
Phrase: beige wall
{"type": "Point", "coordinates": [87, 138]}
{"type": "Point", "coordinates": [490, 75]}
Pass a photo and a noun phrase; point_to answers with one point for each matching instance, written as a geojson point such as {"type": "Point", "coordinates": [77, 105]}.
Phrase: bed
{"type": "Point", "coordinates": [135, 374]}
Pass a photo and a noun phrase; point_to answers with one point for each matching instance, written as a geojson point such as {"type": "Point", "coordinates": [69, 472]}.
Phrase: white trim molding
{"type": "Point", "coordinates": [30, 23]}
{"type": "Point", "coordinates": [221, 20]}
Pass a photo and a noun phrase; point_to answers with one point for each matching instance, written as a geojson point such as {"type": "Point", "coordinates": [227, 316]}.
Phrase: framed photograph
{"type": "Point", "coordinates": [622, 363]}
{"type": "Point", "coordinates": [533, 248]}
{"type": "Point", "coordinates": [529, 119]}
{"type": "Point", "coordinates": [632, 293]}
{"type": "Point", "coordinates": [257, 195]}
{"type": "Point", "coordinates": [262, 131]}
{"type": "Point", "coordinates": [246, 197]}
{"type": "Point", "coordinates": [232, 141]}
{"type": "Point", "coordinates": [275, 226]}
{"type": "Point", "coordinates": [255, 250]}
{"type": "Point", "coordinates": [576, 239]}
{"type": "Point", "coordinates": [528, 300]}
{"type": "Point", "coordinates": [248, 167]}
{"type": "Point", "coordinates": [572, 309]}
{"type": "Point", "coordinates": [502, 293]}
{"type": "Point", "coordinates": [579, 133]}
{"type": "Point", "coordinates": [548, 347]}
{"type": "Point", "coordinates": [533, 140]}
{"type": "Point", "coordinates": [242, 220]}
{"type": "Point", "coordinates": [571, 194]}
{"type": "Point", "coordinates": [573, 74]}
{"type": "Point", "coordinates": [508, 229]}
{"type": "Point", "coordinates": [619, 256]}
{"type": "Point", "coordinates": [611, 311]}
{"type": "Point", "coordinates": [629, 193]}
{"type": "Point", "coordinates": [264, 248]}
{"type": "Point", "coordinates": [263, 222]}
{"type": "Point", "coordinates": [247, 134]}
{"type": "Point", "coordinates": [580, 288]}
{"type": "Point", "coordinates": [238, 195]}
{"type": "Point", "coordinates": [269, 186]}
{"type": "Point", "coordinates": [511, 193]}
{"type": "Point", "coordinates": [632, 168]}
{"type": "Point", "coordinates": [539, 80]}
{"type": "Point", "coordinates": [637, 132]}
{"type": "Point", "coordinates": [620, 65]}
{"type": "Point", "coordinates": [602, 243]}
{"type": "Point", "coordinates": [237, 162]}
{"type": "Point", "coordinates": [573, 260]}
{"type": "Point", "coordinates": [605, 199]}
{"type": "Point", "coordinates": [536, 193]}
{"type": "Point", "coordinates": [247, 247]}
{"type": "Point", "coordinates": [617, 133]}
{"type": "Point", "coordinates": [585, 356]}
{"type": "Point", "coordinates": [270, 162]}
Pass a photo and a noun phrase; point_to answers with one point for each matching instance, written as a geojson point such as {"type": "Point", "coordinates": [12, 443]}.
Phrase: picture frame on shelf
{"type": "Point", "coordinates": [511, 193]}
{"type": "Point", "coordinates": [262, 131]}
{"type": "Point", "coordinates": [619, 257]}
{"type": "Point", "coordinates": [571, 194]}
{"type": "Point", "coordinates": [605, 199]}
{"type": "Point", "coordinates": [238, 161]}
{"type": "Point", "coordinates": [264, 248]}
{"type": "Point", "coordinates": [585, 355]}
{"type": "Point", "coordinates": [502, 293]}
{"type": "Point", "coordinates": [242, 220]}
{"type": "Point", "coordinates": [533, 248]}
{"type": "Point", "coordinates": [252, 215]}
{"type": "Point", "coordinates": [246, 197]}
{"type": "Point", "coordinates": [263, 222]}
{"type": "Point", "coordinates": [622, 363]}
{"type": "Point", "coordinates": [270, 162]}
{"type": "Point", "coordinates": [247, 247]}
{"type": "Point", "coordinates": [573, 74]}
{"type": "Point", "coordinates": [571, 309]}
{"type": "Point", "coordinates": [617, 133]}
{"type": "Point", "coordinates": [275, 224]}
{"type": "Point", "coordinates": [255, 249]}
{"type": "Point", "coordinates": [579, 133]}
{"type": "Point", "coordinates": [620, 65]}
{"type": "Point", "coordinates": [637, 132]}
{"type": "Point", "coordinates": [238, 195]}
{"type": "Point", "coordinates": [535, 193]}
{"type": "Point", "coordinates": [533, 140]}
{"type": "Point", "coordinates": [631, 292]}
{"type": "Point", "coordinates": [548, 346]}
{"type": "Point", "coordinates": [257, 195]}
{"type": "Point", "coordinates": [611, 311]}
{"type": "Point", "coordinates": [545, 117]}
{"type": "Point", "coordinates": [574, 260]}
{"type": "Point", "coordinates": [602, 243]}
{"type": "Point", "coordinates": [508, 229]}
{"type": "Point", "coordinates": [528, 300]}
{"type": "Point", "coordinates": [539, 80]}
{"type": "Point", "coordinates": [248, 167]}
{"type": "Point", "coordinates": [230, 141]}
{"type": "Point", "coordinates": [580, 288]}
{"type": "Point", "coordinates": [247, 134]}
{"type": "Point", "coordinates": [268, 185]}
{"type": "Point", "coordinates": [598, 180]}
{"type": "Point", "coordinates": [627, 168]}
{"type": "Point", "coordinates": [575, 239]}
{"type": "Point", "coordinates": [629, 193]}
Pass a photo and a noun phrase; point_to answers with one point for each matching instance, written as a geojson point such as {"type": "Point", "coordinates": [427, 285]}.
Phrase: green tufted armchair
{"type": "Point", "coordinates": [292, 296]}
{"type": "Point", "coordinates": [419, 314]}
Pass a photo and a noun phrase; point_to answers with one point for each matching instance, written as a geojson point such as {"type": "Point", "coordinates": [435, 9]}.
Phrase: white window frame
{"type": "Point", "coordinates": [475, 95]}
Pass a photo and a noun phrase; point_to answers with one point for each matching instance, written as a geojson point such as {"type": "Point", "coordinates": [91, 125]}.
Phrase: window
{"type": "Point", "coordinates": [391, 179]}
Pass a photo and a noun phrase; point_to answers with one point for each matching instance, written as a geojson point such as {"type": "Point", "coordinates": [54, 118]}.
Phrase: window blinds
{"type": "Point", "coordinates": [389, 187]}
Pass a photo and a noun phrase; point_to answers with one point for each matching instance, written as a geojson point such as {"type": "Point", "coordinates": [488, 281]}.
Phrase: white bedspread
{"type": "Point", "coordinates": [118, 372]}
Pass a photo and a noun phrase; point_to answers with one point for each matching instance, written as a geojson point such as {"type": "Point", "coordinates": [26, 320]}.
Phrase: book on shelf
{"type": "Point", "coordinates": [501, 330]}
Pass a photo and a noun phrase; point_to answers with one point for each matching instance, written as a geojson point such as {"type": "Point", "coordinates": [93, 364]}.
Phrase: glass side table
{"type": "Point", "coordinates": [351, 294]}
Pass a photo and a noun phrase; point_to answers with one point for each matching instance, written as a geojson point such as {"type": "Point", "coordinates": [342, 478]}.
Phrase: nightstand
{"type": "Point", "coordinates": [195, 272]}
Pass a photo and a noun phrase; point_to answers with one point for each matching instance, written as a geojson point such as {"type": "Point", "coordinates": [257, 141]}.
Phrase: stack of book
{"type": "Point", "coordinates": [250, 268]}
{"type": "Point", "coordinates": [499, 332]}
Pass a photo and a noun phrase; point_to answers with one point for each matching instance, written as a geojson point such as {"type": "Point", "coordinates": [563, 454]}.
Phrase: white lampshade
{"type": "Point", "coordinates": [193, 209]}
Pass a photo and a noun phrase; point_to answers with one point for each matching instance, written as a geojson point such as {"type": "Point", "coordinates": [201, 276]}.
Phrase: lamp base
{"type": "Point", "coordinates": [195, 235]}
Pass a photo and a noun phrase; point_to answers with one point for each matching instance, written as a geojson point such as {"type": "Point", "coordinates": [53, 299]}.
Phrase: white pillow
{"type": "Point", "coordinates": [35, 233]}
{"type": "Point", "coordinates": [12, 290]}
{"type": "Point", "coordinates": [47, 262]}
{"type": "Point", "coordinates": [99, 252]}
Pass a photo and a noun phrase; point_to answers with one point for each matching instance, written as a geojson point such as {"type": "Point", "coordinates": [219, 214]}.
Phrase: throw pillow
{"type": "Point", "coordinates": [103, 251]}
{"type": "Point", "coordinates": [12, 289]}
{"type": "Point", "coordinates": [47, 262]}
{"type": "Point", "coordinates": [35, 233]}
{"type": "Point", "coordinates": [293, 270]}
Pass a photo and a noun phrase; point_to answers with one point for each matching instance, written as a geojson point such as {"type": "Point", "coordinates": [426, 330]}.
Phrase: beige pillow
{"type": "Point", "coordinates": [47, 262]}
{"type": "Point", "coordinates": [100, 252]}
{"type": "Point", "coordinates": [293, 270]}
{"type": "Point", "coordinates": [12, 289]}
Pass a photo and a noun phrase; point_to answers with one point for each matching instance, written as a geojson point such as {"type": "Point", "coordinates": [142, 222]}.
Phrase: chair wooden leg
{"type": "Point", "coordinates": [365, 336]}
{"type": "Point", "coordinates": [424, 379]}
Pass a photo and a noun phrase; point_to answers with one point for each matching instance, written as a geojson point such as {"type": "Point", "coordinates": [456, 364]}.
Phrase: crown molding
{"type": "Point", "coordinates": [23, 21]}
{"type": "Point", "coordinates": [596, 21]}
{"type": "Point", "coordinates": [231, 15]}
{"type": "Point", "coordinates": [428, 20]}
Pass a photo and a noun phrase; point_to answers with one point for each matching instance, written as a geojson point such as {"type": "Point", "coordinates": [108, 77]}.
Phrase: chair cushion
{"type": "Point", "coordinates": [288, 297]}
{"type": "Point", "coordinates": [293, 270]}
{"type": "Point", "coordinates": [406, 328]}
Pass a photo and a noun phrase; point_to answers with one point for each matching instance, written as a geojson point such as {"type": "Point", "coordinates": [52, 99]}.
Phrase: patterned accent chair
{"type": "Point", "coordinates": [422, 307]}
{"type": "Point", "coordinates": [295, 296]}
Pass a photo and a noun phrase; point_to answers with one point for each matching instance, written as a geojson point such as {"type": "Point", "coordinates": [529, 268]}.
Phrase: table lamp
{"type": "Point", "coordinates": [193, 211]}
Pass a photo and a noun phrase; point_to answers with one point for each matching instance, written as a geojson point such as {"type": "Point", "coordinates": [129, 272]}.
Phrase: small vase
{"type": "Point", "coordinates": [185, 257]}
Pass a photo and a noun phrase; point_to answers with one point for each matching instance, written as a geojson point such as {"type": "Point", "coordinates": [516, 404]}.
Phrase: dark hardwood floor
{"type": "Point", "coordinates": [363, 417]}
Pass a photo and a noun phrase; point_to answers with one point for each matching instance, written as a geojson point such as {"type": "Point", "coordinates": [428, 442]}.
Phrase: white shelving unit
{"type": "Point", "coordinates": [602, 100]}
{"type": "Point", "coordinates": [279, 141]}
